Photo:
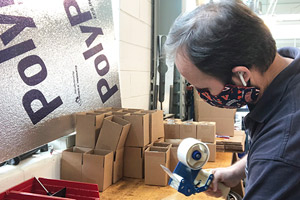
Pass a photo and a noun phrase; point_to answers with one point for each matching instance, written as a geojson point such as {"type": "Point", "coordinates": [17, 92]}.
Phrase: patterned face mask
{"type": "Point", "coordinates": [231, 97]}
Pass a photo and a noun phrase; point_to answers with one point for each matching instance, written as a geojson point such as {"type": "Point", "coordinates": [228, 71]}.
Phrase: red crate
{"type": "Point", "coordinates": [31, 189]}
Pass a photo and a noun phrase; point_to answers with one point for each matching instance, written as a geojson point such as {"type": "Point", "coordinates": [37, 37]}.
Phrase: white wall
{"type": "Point", "coordinates": [135, 52]}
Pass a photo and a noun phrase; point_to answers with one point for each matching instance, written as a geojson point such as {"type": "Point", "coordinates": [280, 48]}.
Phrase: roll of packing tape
{"type": "Point", "coordinates": [193, 153]}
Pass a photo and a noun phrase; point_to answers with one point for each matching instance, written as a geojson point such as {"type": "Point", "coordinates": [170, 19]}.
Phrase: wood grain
{"type": "Point", "coordinates": [135, 189]}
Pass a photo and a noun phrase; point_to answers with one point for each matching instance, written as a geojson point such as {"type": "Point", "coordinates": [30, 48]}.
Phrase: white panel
{"type": "Point", "coordinates": [145, 11]}
{"type": "Point", "coordinates": [134, 58]}
{"type": "Point", "coordinates": [131, 7]}
{"type": "Point", "coordinates": [140, 83]}
{"type": "Point", "coordinates": [136, 102]}
{"type": "Point", "coordinates": [125, 84]}
{"type": "Point", "coordinates": [134, 31]}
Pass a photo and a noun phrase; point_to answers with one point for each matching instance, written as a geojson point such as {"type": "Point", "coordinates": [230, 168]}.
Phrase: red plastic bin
{"type": "Point", "coordinates": [32, 190]}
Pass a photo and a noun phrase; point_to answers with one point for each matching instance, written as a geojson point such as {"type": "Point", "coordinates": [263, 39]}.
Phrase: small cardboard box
{"type": "Point", "coordinates": [173, 157]}
{"type": "Point", "coordinates": [132, 110]}
{"type": "Point", "coordinates": [203, 109]}
{"type": "Point", "coordinates": [138, 135]}
{"type": "Point", "coordinates": [71, 162]}
{"type": "Point", "coordinates": [156, 124]}
{"type": "Point", "coordinates": [188, 129]}
{"type": "Point", "coordinates": [118, 165]}
{"type": "Point", "coordinates": [224, 118]}
{"type": "Point", "coordinates": [134, 162]}
{"type": "Point", "coordinates": [172, 130]}
{"type": "Point", "coordinates": [120, 114]}
{"type": "Point", "coordinates": [161, 144]}
{"type": "Point", "coordinates": [154, 157]}
{"type": "Point", "coordinates": [212, 151]}
{"type": "Point", "coordinates": [206, 131]}
{"type": "Point", "coordinates": [224, 126]}
{"type": "Point", "coordinates": [113, 133]}
{"type": "Point", "coordinates": [97, 167]}
{"type": "Point", "coordinates": [113, 109]}
{"type": "Point", "coordinates": [87, 129]}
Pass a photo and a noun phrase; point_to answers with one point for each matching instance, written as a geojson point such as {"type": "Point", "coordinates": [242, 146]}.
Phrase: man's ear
{"type": "Point", "coordinates": [241, 75]}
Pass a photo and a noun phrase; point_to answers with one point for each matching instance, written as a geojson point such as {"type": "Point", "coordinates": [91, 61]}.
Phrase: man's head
{"type": "Point", "coordinates": [219, 39]}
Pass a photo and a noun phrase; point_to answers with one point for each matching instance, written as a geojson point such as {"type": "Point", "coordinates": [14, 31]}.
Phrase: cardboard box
{"type": "Point", "coordinates": [173, 141]}
{"type": "Point", "coordinates": [172, 130]}
{"type": "Point", "coordinates": [132, 110]}
{"type": "Point", "coordinates": [113, 109]}
{"type": "Point", "coordinates": [97, 167]}
{"type": "Point", "coordinates": [173, 157]}
{"type": "Point", "coordinates": [212, 151]}
{"type": "Point", "coordinates": [161, 144]}
{"type": "Point", "coordinates": [154, 157]}
{"type": "Point", "coordinates": [156, 122]}
{"type": "Point", "coordinates": [118, 165]}
{"type": "Point", "coordinates": [206, 131]}
{"type": "Point", "coordinates": [188, 129]}
{"type": "Point", "coordinates": [71, 162]}
{"type": "Point", "coordinates": [113, 133]}
{"type": "Point", "coordinates": [204, 109]}
{"type": "Point", "coordinates": [138, 135]}
{"type": "Point", "coordinates": [134, 162]}
{"type": "Point", "coordinates": [232, 144]}
{"type": "Point", "coordinates": [224, 126]}
{"type": "Point", "coordinates": [120, 114]}
{"type": "Point", "coordinates": [87, 129]}
{"type": "Point", "coordinates": [224, 118]}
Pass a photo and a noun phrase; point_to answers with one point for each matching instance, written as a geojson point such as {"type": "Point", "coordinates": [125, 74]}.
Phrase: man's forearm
{"type": "Point", "coordinates": [239, 167]}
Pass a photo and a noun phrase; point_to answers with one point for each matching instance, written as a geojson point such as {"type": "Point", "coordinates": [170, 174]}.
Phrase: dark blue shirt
{"type": "Point", "coordinates": [273, 165]}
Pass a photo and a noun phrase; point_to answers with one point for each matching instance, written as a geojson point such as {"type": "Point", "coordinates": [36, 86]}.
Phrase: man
{"type": "Point", "coordinates": [228, 54]}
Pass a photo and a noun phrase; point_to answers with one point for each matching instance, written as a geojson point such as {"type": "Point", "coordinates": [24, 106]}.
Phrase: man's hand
{"type": "Point", "coordinates": [229, 176]}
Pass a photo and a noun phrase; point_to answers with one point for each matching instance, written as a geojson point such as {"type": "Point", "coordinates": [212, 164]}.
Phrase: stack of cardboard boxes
{"type": "Point", "coordinates": [98, 154]}
{"type": "Point", "coordinates": [147, 127]}
{"type": "Point", "coordinates": [204, 131]}
{"type": "Point", "coordinates": [110, 144]}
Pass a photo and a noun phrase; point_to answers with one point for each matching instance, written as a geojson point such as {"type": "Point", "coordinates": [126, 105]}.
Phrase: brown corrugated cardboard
{"type": "Point", "coordinates": [206, 131]}
{"type": "Point", "coordinates": [156, 124]}
{"type": "Point", "coordinates": [138, 135]}
{"type": "Point", "coordinates": [120, 114]}
{"type": "Point", "coordinates": [71, 162]}
{"type": "Point", "coordinates": [161, 144]}
{"type": "Point", "coordinates": [87, 129]}
{"type": "Point", "coordinates": [173, 157]}
{"type": "Point", "coordinates": [212, 151]}
{"type": "Point", "coordinates": [160, 140]}
{"type": "Point", "coordinates": [97, 168]}
{"type": "Point", "coordinates": [173, 141]}
{"type": "Point", "coordinates": [134, 162]}
{"type": "Point", "coordinates": [188, 129]}
{"type": "Point", "coordinates": [172, 130]}
{"type": "Point", "coordinates": [232, 144]}
{"type": "Point", "coordinates": [113, 133]}
{"type": "Point", "coordinates": [224, 118]}
{"type": "Point", "coordinates": [118, 165]}
{"type": "Point", "coordinates": [132, 110]}
{"type": "Point", "coordinates": [224, 126]}
{"type": "Point", "coordinates": [203, 109]}
{"type": "Point", "coordinates": [154, 157]}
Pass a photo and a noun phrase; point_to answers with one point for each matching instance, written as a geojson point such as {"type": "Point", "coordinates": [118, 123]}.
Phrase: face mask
{"type": "Point", "coordinates": [232, 96]}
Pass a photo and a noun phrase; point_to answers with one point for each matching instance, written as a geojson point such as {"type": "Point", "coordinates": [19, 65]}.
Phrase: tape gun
{"type": "Point", "coordinates": [188, 177]}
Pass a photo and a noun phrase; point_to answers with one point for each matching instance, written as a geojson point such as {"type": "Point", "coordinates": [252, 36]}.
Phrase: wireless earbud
{"type": "Point", "coordinates": [242, 78]}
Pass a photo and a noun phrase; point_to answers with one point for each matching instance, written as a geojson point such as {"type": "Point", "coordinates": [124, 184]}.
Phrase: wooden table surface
{"type": "Point", "coordinates": [135, 189]}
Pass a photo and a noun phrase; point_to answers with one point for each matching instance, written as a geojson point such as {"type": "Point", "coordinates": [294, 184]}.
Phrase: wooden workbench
{"type": "Point", "coordinates": [135, 189]}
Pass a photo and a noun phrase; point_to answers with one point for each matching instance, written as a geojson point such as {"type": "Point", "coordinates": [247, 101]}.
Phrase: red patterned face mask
{"type": "Point", "coordinates": [232, 96]}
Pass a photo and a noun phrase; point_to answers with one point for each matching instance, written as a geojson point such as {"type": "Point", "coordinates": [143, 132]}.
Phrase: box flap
{"type": "Point", "coordinates": [109, 135]}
